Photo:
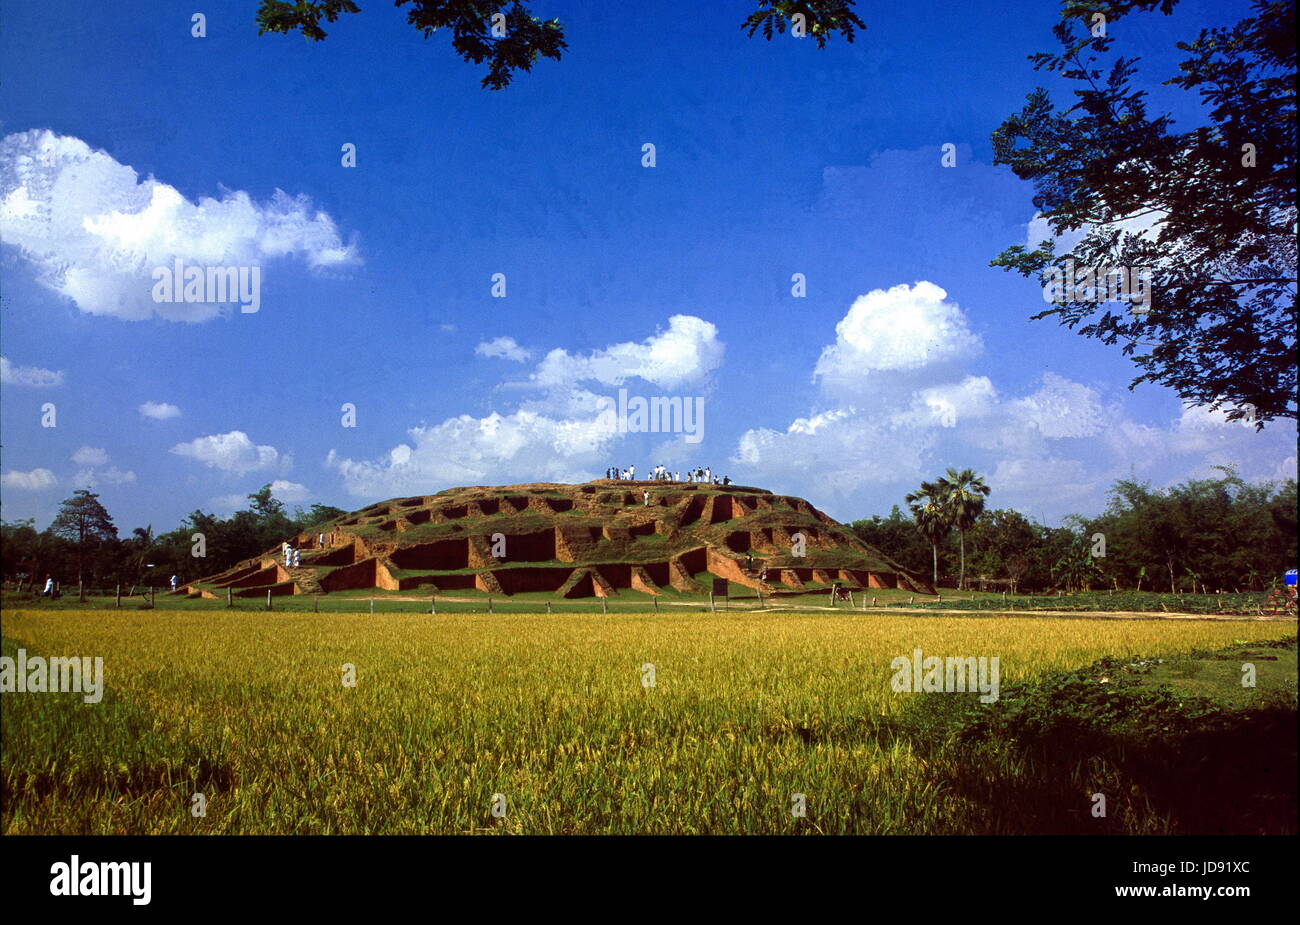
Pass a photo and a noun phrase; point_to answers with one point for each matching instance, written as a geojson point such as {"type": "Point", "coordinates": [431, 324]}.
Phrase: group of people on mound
{"type": "Point", "coordinates": [663, 474]}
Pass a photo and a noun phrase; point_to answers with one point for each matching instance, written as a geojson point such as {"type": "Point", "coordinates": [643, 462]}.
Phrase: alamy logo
{"type": "Point", "coordinates": [1099, 284]}
{"type": "Point", "coordinates": [179, 283]}
{"type": "Point", "coordinates": [930, 674]}
{"type": "Point", "coordinates": [56, 675]}
{"type": "Point", "coordinates": [660, 414]}
{"type": "Point", "coordinates": [105, 878]}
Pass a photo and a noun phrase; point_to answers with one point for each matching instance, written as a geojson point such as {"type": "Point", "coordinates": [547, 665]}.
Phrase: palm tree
{"type": "Point", "coordinates": [930, 511]}
{"type": "Point", "coordinates": [142, 548]}
{"type": "Point", "coordinates": [964, 493]}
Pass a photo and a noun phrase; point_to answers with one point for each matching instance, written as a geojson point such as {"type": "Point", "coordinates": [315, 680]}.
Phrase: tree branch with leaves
{"type": "Point", "coordinates": [510, 38]}
{"type": "Point", "coordinates": [1217, 200]}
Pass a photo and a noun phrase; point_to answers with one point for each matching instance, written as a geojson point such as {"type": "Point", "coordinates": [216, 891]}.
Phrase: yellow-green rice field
{"type": "Point", "coordinates": [549, 719]}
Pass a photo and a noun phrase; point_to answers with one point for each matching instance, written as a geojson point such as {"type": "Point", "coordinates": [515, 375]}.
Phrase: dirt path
{"type": "Point", "coordinates": [924, 611]}
{"type": "Point", "coordinates": [1097, 614]}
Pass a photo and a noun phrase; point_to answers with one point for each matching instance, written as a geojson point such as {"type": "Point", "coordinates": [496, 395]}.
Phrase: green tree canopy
{"type": "Point", "coordinates": [962, 494]}
{"type": "Point", "coordinates": [1218, 200]}
{"type": "Point", "coordinates": [83, 520]}
{"type": "Point", "coordinates": [933, 517]}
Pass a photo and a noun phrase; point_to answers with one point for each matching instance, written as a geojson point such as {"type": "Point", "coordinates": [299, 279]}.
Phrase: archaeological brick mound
{"type": "Point", "coordinates": [596, 539]}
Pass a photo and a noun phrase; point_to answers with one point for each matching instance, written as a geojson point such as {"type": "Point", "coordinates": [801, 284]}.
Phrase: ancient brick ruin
{"type": "Point", "coordinates": [596, 539]}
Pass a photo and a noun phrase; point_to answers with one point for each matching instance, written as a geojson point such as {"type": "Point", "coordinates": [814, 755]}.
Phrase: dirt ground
{"type": "Point", "coordinates": [922, 611]}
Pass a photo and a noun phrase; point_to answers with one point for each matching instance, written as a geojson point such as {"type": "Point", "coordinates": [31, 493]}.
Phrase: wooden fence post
{"type": "Point", "coordinates": [117, 595]}
{"type": "Point", "coordinates": [268, 598]}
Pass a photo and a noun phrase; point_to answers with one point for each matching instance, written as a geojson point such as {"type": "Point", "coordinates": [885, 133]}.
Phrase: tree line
{"type": "Point", "coordinates": [1207, 535]}
{"type": "Point", "coordinates": [82, 544]}
{"type": "Point", "coordinates": [1212, 534]}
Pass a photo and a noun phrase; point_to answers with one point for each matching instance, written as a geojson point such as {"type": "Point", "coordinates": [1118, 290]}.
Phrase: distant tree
{"type": "Point", "coordinates": [19, 548]}
{"type": "Point", "coordinates": [82, 519]}
{"type": "Point", "coordinates": [1002, 542]}
{"type": "Point", "coordinates": [933, 517]}
{"type": "Point", "coordinates": [1218, 201]}
{"type": "Point", "coordinates": [896, 536]}
{"type": "Point", "coordinates": [141, 546]}
{"type": "Point", "coordinates": [1016, 566]}
{"type": "Point", "coordinates": [1075, 569]}
{"type": "Point", "coordinates": [510, 38]}
{"type": "Point", "coordinates": [1229, 533]}
{"type": "Point", "coordinates": [264, 504]}
{"type": "Point", "coordinates": [318, 514]}
{"type": "Point", "coordinates": [962, 495]}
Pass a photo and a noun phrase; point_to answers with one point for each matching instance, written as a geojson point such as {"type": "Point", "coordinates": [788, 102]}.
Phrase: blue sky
{"type": "Point", "coordinates": [128, 142]}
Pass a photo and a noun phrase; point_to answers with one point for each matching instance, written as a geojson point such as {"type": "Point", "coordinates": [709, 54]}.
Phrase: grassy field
{"type": "Point", "coordinates": [626, 602]}
{"type": "Point", "coordinates": [414, 602]}
{"type": "Point", "coordinates": [747, 710]}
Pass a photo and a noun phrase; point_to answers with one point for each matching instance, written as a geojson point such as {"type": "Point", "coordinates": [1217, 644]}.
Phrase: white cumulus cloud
{"type": "Point", "coordinates": [687, 352]}
{"type": "Point", "coordinates": [289, 491]}
{"type": "Point", "coordinates": [563, 434]}
{"type": "Point", "coordinates": [35, 480]}
{"type": "Point", "coordinates": [229, 452]}
{"type": "Point", "coordinates": [159, 410]}
{"type": "Point", "coordinates": [523, 446]}
{"type": "Point", "coordinates": [94, 478]}
{"type": "Point", "coordinates": [897, 330]}
{"type": "Point", "coordinates": [32, 376]}
{"type": "Point", "coordinates": [94, 230]}
{"type": "Point", "coordinates": [505, 348]}
{"type": "Point", "coordinates": [90, 456]}
{"type": "Point", "coordinates": [1061, 408]}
